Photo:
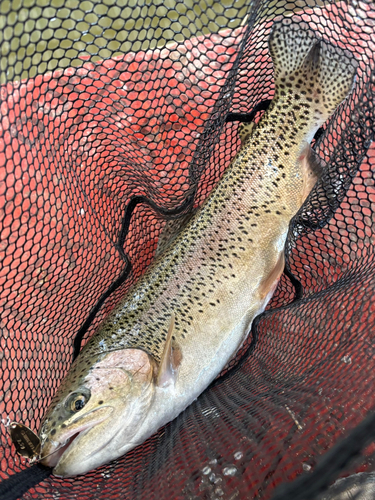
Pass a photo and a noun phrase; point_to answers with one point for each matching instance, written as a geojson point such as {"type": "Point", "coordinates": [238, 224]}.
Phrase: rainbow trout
{"type": "Point", "coordinates": [180, 324]}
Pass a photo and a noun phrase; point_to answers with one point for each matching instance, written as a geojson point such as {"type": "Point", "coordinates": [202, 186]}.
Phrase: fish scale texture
{"type": "Point", "coordinates": [113, 122]}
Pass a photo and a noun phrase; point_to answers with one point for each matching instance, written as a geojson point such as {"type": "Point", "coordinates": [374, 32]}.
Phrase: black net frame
{"type": "Point", "coordinates": [116, 118]}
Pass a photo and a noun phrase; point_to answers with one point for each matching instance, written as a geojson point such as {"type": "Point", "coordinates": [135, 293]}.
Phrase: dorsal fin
{"type": "Point", "coordinates": [171, 230]}
{"type": "Point", "coordinates": [170, 360]}
{"type": "Point", "coordinates": [245, 131]}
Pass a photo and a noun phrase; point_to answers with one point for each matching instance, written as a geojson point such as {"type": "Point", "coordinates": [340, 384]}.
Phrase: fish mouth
{"type": "Point", "coordinates": [73, 433]}
{"type": "Point", "coordinates": [53, 458]}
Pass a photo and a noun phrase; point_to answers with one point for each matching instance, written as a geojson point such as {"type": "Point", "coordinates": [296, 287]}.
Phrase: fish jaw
{"type": "Point", "coordinates": [93, 447]}
{"type": "Point", "coordinates": [53, 451]}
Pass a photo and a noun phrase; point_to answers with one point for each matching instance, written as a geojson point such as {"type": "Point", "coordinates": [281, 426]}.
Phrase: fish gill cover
{"type": "Point", "coordinates": [113, 121]}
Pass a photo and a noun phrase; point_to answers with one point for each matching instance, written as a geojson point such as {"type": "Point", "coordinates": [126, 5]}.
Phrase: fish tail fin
{"type": "Point", "coordinates": [309, 70]}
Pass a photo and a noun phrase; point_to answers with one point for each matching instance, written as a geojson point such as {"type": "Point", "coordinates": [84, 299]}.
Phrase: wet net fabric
{"type": "Point", "coordinates": [113, 125]}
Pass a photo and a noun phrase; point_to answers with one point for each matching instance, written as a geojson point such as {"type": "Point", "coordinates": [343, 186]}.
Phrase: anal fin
{"type": "Point", "coordinates": [269, 284]}
{"type": "Point", "coordinates": [312, 167]}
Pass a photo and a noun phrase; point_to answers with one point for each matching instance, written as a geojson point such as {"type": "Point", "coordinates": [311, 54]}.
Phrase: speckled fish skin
{"type": "Point", "coordinates": [215, 277]}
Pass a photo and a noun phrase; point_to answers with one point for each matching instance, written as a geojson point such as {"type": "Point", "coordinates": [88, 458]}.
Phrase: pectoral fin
{"type": "Point", "coordinates": [170, 360]}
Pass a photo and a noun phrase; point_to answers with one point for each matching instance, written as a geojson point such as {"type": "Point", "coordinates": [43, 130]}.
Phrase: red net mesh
{"type": "Point", "coordinates": [109, 128]}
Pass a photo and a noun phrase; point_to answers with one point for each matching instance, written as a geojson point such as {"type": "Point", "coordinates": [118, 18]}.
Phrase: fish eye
{"type": "Point", "coordinates": [76, 401]}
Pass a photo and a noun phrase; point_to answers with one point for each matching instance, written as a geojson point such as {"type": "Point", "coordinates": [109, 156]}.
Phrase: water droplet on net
{"type": "Point", "coordinates": [215, 479]}
{"type": "Point", "coordinates": [231, 470]}
{"type": "Point", "coordinates": [355, 117]}
{"type": "Point", "coordinates": [6, 422]}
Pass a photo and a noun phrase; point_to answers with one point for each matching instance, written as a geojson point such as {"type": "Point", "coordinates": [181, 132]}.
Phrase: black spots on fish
{"type": "Point", "coordinates": [318, 114]}
{"type": "Point", "coordinates": [100, 402]}
{"type": "Point", "coordinates": [53, 432]}
{"type": "Point", "coordinates": [63, 426]}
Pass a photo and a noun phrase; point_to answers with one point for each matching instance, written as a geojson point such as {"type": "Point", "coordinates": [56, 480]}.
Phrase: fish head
{"type": "Point", "coordinates": [97, 411]}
